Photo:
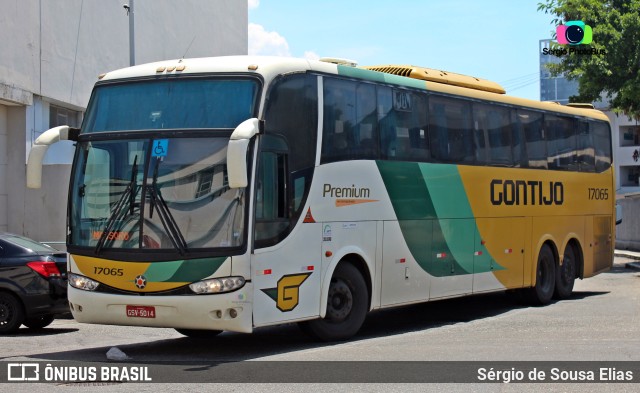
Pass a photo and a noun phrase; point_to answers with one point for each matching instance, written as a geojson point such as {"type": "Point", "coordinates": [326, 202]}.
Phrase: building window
{"type": "Point", "coordinates": [59, 116]}
{"type": "Point", "coordinates": [629, 136]}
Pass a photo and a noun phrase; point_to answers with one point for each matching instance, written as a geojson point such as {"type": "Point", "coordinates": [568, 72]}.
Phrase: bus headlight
{"type": "Point", "coordinates": [82, 282]}
{"type": "Point", "coordinates": [217, 285]}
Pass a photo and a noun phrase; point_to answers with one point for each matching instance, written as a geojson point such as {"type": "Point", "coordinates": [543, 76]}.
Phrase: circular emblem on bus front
{"type": "Point", "coordinates": [141, 281]}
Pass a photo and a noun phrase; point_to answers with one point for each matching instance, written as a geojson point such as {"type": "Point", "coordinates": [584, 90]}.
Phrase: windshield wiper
{"type": "Point", "coordinates": [130, 194]}
{"type": "Point", "coordinates": [168, 222]}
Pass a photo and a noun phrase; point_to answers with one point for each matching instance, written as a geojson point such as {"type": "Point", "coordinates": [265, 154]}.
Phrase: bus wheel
{"type": "Point", "coordinates": [566, 274]}
{"type": "Point", "coordinates": [542, 292]}
{"type": "Point", "coordinates": [347, 306]}
{"type": "Point", "coordinates": [199, 333]}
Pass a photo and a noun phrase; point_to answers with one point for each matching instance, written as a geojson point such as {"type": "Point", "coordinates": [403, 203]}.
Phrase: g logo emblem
{"type": "Point", "coordinates": [287, 294]}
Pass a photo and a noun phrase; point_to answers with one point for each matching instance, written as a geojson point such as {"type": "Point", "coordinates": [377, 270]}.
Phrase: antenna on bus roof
{"type": "Point", "coordinates": [189, 47]}
{"type": "Point", "coordinates": [339, 61]}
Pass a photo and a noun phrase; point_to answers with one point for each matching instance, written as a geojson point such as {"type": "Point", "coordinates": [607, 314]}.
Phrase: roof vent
{"type": "Point", "coordinates": [445, 77]}
{"type": "Point", "coordinates": [581, 105]}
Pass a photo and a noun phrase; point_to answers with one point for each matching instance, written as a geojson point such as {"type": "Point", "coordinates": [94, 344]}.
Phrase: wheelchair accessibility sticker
{"type": "Point", "coordinates": [160, 148]}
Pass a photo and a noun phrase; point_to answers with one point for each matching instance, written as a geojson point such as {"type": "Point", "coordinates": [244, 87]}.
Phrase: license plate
{"type": "Point", "coordinates": [141, 311]}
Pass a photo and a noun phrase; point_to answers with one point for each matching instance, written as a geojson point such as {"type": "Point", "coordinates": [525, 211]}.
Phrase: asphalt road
{"type": "Point", "coordinates": [600, 322]}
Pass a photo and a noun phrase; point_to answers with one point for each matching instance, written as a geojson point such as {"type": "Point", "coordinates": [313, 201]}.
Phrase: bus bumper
{"type": "Point", "coordinates": [228, 311]}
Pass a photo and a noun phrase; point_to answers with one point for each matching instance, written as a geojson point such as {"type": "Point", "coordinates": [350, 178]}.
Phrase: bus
{"type": "Point", "coordinates": [232, 193]}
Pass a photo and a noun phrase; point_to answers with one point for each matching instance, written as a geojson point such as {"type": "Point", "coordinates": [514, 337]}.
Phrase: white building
{"type": "Point", "coordinates": [51, 53]}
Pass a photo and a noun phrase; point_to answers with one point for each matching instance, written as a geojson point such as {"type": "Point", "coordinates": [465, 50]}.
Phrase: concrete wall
{"type": "Point", "coordinates": [51, 52]}
{"type": "Point", "coordinates": [4, 189]}
{"type": "Point", "coordinates": [628, 232]}
{"type": "Point", "coordinates": [57, 49]}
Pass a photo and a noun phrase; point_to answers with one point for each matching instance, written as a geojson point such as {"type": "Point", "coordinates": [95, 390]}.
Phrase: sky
{"type": "Point", "coordinates": [496, 40]}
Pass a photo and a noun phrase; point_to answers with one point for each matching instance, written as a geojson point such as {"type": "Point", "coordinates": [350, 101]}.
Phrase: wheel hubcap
{"type": "Point", "coordinates": [567, 270]}
{"type": "Point", "coordinates": [5, 313]}
{"type": "Point", "coordinates": [340, 301]}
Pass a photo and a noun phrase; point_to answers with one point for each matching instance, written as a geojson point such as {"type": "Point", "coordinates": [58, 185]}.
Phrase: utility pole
{"type": "Point", "coordinates": [132, 44]}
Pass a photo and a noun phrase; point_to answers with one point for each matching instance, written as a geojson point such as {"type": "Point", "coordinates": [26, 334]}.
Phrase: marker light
{"type": "Point", "coordinates": [82, 282]}
{"type": "Point", "coordinates": [217, 285]}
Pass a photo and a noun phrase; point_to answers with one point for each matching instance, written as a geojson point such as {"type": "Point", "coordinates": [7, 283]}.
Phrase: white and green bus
{"type": "Point", "coordinates": [233, 193]}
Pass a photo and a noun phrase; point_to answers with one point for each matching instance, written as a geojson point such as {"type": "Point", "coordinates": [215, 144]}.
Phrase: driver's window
{"type": "Point", "coordinates": [272, 218]}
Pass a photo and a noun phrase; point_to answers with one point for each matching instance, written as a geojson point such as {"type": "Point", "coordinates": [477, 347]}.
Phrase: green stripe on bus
{"type": "Point", "coordinates": [434, 215]}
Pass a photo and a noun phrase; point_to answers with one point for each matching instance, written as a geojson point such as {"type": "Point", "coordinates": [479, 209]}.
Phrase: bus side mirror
{"type": "Point", "coordinates": [39, 149]}
{"type": "Point", "coordinates": [618, 214]}
{"type": "Point", "coordinates": [237, 152]}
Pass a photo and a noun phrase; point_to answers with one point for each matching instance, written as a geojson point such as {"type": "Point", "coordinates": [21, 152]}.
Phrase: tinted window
{"type": "Point", "coordinates": [350, 121]}
{"type": "Point", "coordinates": [530, 124]}
{"type": "Point", "coordinates": [602, 145]}
{"type": "Point", "coordinates": [403, 124]}
{"type": "Point", "coordinates": [271, 202]}
{"type": "Point", "coordinates": [561, 142]}
{"type": "Point", "coordinates": [177, 103]}
{"type": "Point", "coordinates": [287, 157]}
{"type": "Point", "coordinates": [586, 153]}
{"type": "Point", "coordinates": [493, 133]}
{"type": "Point", "coordinates": [29, 244]}
{"type": "Point", "coordinates": [450, 131]}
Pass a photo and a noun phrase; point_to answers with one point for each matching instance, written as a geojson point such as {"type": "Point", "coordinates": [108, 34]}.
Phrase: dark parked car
{"type": "Point", "coordinates": [33, 283]}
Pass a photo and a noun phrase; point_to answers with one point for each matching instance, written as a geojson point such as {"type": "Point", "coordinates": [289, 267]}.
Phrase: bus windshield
{"type": "Point", "coordinates": [169, 193]}
{"type": "Point", "coordinates": [185, 103]}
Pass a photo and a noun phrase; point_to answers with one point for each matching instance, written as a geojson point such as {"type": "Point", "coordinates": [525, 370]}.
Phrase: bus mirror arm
{"type": "Point", "coordinates": [39, 150]}
{"type": "Point", "coordinates": [237, 151]}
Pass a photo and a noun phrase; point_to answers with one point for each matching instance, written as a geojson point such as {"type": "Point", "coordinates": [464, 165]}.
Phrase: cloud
{"type": "Point", "coordinates": [253, 4]}
{"type": "Point", "coordinates": [269, 43]}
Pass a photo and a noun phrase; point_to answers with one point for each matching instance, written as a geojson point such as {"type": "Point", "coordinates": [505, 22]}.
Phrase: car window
{"type": "Point", "coordinates": [29, 244]}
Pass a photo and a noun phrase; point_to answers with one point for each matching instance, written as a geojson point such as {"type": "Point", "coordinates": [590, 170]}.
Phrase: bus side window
{"type": "Point", "coordinates": [602, 144]}
{"type": "Point", "coordinates": [561, 142]}
{"type": "Point", "coordinates": [586, 152]}
{"type": "Point", "coordinates": [271, 199]}
{"type": "Point", "coordinates": [536, 148]}
{"type": "Point", "coordinates": [450, 128]}
{"type": "Point", "coordinates": [518, 139]}
{"type": "Point", "coordinates": [350, 129]}
{"type": "Point", "coordinates": [493, 134]}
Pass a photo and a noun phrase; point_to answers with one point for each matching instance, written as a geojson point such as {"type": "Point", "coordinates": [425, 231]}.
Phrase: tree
{"type": "Point", "coordinates": [610, 65]}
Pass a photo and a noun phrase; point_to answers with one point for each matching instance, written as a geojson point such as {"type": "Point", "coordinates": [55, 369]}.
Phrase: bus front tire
{"type": "Point", "coordinates": [542, 292]}
{"type": "Point", "coordinates": [347, 306]}
{"type": "Point", "coordinates": [566, 274]}
{"type": "Point", "coordinates": [199, 333]}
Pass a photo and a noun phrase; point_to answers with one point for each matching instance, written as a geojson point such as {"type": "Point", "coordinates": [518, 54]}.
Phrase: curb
{"type": "Point", "coordinates": [630, 255]}
{"type": "Point", "coordinates": [633, 265]}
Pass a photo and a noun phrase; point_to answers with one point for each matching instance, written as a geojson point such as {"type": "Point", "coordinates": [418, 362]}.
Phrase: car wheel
{"type": "Point", "coordinates": [199, 333]}
{"type": "Point", "coordinates": [38, 322]}
{"type": "Point", "coordinates": [542, 292]}
{"type": "Point", "coordinates": [11, 313]}
{"type": "Point", "coordinates": [347, 306]}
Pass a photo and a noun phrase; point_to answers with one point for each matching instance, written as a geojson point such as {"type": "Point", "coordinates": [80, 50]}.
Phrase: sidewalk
{"type": "Point", "coordinates": [631, 255]}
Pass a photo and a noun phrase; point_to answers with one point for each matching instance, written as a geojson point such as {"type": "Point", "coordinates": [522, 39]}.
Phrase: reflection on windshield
{"type": "Point", "coordinates": [178, 200]}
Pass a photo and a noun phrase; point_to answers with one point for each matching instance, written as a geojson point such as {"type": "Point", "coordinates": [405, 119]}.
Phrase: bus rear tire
{"type": "Point", "coordinates": [566, 274]}
{"type": "Point", "coordinates": [542, 292]}
{"type": "Point", "coordinates": [347, 306]}
{"type": "Point", "coordinates": [199, 333]}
